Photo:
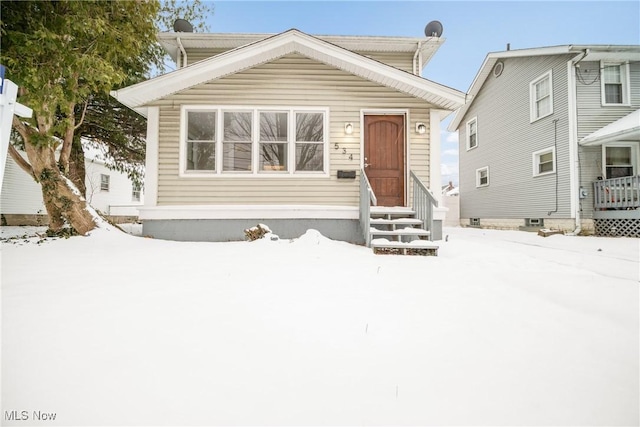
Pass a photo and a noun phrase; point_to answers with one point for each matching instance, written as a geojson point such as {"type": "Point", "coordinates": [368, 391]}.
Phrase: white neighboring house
{"type": "Point", "coordinates": [108, 191]}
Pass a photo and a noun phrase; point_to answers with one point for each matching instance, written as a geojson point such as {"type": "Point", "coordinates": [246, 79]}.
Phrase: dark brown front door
{"type": "Point", "coordinates": [384, 157]}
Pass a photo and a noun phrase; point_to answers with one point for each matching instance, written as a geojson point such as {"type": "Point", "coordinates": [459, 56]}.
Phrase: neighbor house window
{"type": "Point", "coordinates": [237, 141]}
{"type": "Point", "coordinates": [618, 161]}
{"type": "Point", "coordinates": [201, 141]}
{"type": "Point", "coordinates": [544, 162]}
{"type": "Point", "coordinates": [541, 96]}
{"type": "Point", "coordinates": [274, 141]}
{"type": "Point", "coordinates": [482, 177]}
{"type": "Point", "coordinates": [472, 133]}
{"type": "Point", "coordinates": [614, 84]}
{"type": "Point", "coordinates": [104, 182]}
{"type": "Point", "coordinates": [309, 142]}
{"type": "Point", "coordinates": [135, 193]}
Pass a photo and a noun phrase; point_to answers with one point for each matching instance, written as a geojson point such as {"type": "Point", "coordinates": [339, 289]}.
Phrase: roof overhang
{"type": "Point", "coordinates": [427, 46]}
{"type": "Point", "coordinates": [586, 52]}
{"type": "Point", "coordinates": [138, 96]}
{"type": "Point", "coordinates": [625, 129]}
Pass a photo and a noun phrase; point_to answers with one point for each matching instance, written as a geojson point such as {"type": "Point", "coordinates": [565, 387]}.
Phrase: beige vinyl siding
{"type": "Point", "coordinates": [291, 81]}
{"type": "Point", "coordinates": [507, 140]}
{"type": "Point", "coordinates": [195, 55]}
{"type": "Point", "coordinates": [401, 60]}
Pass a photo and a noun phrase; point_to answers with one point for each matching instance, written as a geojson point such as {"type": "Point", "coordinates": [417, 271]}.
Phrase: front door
{"type": "Point", "coordinates": [384, 157]}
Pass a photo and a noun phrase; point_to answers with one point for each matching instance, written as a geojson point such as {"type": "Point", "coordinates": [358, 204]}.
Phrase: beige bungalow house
{"type": "Point", "coordinates": [278, 129]}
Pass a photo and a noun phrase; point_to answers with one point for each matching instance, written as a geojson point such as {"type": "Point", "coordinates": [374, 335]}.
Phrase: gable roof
{"type": "Point", "coordinates": [269, 49]}
{"type": "Point", "coordinates": [592, 52]}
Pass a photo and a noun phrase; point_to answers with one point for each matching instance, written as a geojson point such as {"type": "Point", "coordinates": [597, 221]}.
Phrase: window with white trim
{"type": "Point", "coordinates": [135, 192]}
{"type": "Point", "coordinates": [201, 141]}
{"type": "Point", "coordinates": [237, 141]}
{"type": "Point", "coordinates": [614, 80]}
{"type": "Point", "coordinates": [309, 142]}
{"type": "Point", "coordinates": [253, 141]}
{"type": "Point", "coordinates": [104, 182]}
{"type": "Point", "coordinates": [472, 133]}
{"type": "Point", "coordinates": [541, 96]}
{"type": "Point", "coordinates": [274, 140]}
{"type": "Point", "coordinates": [482, 177]}
{"type": "Point", "coordinates": [618, 160]}
{"type": "Point", "coordinates": [544, 162]}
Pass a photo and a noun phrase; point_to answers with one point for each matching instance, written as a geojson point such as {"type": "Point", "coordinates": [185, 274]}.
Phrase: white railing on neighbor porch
{"type": "Point", "coordinates": [423, 203]}
{"type": "Point", "coordinates": [367, 198]}
{"type": "Point", "coordinates": [617, 193]}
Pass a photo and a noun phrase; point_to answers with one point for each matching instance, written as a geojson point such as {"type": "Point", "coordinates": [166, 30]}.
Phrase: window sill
{"type": "Point", "coordinates": [544, 174]}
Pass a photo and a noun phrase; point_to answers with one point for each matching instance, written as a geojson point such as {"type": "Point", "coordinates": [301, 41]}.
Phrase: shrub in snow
{"type": "Point", "coordinates": [257, 232]}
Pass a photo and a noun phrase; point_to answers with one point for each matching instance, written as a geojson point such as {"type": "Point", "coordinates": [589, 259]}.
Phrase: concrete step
{"type": "Point", "coordinates": [416, 247]}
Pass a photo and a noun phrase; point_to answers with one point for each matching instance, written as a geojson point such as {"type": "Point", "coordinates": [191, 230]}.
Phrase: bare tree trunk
{"type": "Point", "coordinates": [60, 199]}
{"type": "Point", "coordinates": [77, 170]}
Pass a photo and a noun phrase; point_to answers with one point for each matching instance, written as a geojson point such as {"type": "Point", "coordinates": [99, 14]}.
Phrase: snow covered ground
{"type": "Point", "coordinates": [502, 328]}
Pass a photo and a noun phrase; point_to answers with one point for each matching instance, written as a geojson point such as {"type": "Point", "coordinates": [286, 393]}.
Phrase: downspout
{"type": "Point", "coordinates": [574, 158]}
{"type": "Point", "coordinates": [418, 55]}
{"type": "Point", "coordinates": [184, 53]}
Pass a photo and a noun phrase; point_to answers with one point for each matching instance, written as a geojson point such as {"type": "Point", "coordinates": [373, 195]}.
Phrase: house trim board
{"type": "Point", "coordinates": [572, 108]}
{"type": "Point", "coordinates": [152, 156]}
{"type": "Point", "coordinates": [435, 148]}
{"type": "Point", "coordinates": [247, 212]}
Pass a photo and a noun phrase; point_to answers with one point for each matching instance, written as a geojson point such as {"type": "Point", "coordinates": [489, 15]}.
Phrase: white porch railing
{"type": "Point", "coordinates": [367, 198]}
{"type": "Point", "coordinates": [423, 203]}
{"type": "Point", "coordinates": [617, 193]}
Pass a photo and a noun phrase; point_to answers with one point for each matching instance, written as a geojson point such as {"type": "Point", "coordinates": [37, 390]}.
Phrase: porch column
{"type": "Point", "coordinates": [435, 169]}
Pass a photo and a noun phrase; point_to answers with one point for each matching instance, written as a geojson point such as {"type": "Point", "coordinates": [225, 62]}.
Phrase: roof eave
{"type": "Point", "coordinates": [236, 60]}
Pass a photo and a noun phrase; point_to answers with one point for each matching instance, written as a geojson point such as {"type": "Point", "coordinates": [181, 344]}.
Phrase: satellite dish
{"type": "Point", "coordinates": [182, 26]}
{"type": "Point", "coordinates": [433, 29]}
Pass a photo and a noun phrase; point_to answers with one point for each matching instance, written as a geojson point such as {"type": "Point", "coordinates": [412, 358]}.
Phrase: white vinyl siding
{"type": "Point", "coordinates": [472, 133]}
{"type": "Point", "coordinates": [614, 79]}
{"type": "Point", "coordinates": [541, 95]}
{"type": "Point", "coordinates": [297, 81]}
{"type": "Point", "coordinates": [544, 162]}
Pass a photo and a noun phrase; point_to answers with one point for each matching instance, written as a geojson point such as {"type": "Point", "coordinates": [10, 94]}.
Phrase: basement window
{"type": "Point", "coordinates": [534, 222]}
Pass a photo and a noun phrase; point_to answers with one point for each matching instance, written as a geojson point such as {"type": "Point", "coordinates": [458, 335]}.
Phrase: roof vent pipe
{"type": "Point", "coordinates": [508, 46]}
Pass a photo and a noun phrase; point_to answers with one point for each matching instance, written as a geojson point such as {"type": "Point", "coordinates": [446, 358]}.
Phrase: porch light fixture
{"type": "Point", "coordinates": [421, 128]}
{"type": "Point", "coordinates": [348, 128]}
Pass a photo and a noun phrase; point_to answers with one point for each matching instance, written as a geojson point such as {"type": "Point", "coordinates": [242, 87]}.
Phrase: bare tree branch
{"type": "Point", "coordinates": [20, 161]}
